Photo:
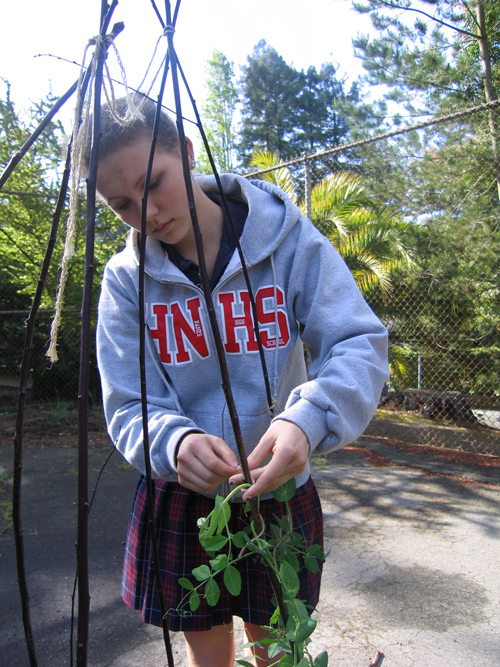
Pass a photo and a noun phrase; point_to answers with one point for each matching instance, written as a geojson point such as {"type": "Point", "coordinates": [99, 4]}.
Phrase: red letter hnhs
{"type": "Point", "coordinates": [160, 311]}
{"type": "Point", "coordinates": [231, 323]}
{"type": "Point", "coordinates": [267, 317]}
{"type": "Point", "coordinates": [183, 330]}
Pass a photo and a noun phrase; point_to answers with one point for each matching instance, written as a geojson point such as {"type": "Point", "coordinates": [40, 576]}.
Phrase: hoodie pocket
{"type": "Point", "coordinates": [252, 427]}
{"type": "Point", "coordinates": [210, 422]}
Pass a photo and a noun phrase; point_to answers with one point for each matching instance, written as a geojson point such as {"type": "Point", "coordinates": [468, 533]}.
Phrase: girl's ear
{"type": "Point", "coordinates": [190, 150]}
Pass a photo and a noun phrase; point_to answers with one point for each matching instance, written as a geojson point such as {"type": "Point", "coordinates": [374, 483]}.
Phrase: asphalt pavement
{"type": "Point", "coordinates": [414, 568]}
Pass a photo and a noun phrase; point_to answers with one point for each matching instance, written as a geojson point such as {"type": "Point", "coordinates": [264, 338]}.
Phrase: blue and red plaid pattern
{"type": "Point", "coordinates": [176, 512]}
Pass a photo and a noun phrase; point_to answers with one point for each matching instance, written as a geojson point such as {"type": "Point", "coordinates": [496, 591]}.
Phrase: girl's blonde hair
{"type": "Point", "coordinates": [115, 135]}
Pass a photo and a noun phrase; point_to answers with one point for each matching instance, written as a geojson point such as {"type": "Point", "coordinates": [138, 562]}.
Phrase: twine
{"type": "Point", "coordinates": [80, 139]}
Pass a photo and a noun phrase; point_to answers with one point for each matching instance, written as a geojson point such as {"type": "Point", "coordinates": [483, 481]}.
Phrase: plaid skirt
{"type": "Point", "coordinates": [176, 512]}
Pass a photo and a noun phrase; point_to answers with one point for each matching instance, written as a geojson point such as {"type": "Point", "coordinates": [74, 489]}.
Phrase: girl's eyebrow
{"type": "Point", "coordinates": [137, 184]}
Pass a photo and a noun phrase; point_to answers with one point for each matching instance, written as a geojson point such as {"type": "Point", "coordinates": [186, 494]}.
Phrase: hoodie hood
{"type": "Point", "coordinates": [271, 217]}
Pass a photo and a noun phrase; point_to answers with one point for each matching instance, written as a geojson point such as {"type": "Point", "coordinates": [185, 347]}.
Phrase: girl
{"type": "Point", "coordinates": [304, 295]}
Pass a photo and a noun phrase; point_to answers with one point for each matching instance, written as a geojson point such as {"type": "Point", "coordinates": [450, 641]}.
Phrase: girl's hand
{"type": "Point", "coordinates": [289, 448]}
{"type": "Point", "coordinates": [204, 461]}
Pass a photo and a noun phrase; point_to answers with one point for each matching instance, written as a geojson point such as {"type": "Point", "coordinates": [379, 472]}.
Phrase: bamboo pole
{"type": "Point", "coordinates": [24, 371]}
{"type": "Point", "coordinates": [270, 401]}
{"type": "Point", "coordinates": [226, 385]}
{"type": "Point", "coordinates": [21, 404]}
{"type": "Point", "coordinates": [15, 159]}
{"type": "Point", "coordinates": [85, 337]}
{"type": "Point", "coordinates": [142, 367]}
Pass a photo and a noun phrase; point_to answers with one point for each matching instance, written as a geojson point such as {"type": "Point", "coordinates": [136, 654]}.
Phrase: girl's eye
{"type": "Point", "coordinates": [154, 184]}
{"type": "Point", "coordinates": [122, 207]}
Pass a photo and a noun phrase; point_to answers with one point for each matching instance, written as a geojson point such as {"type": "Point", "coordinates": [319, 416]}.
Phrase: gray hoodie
{"type": "Point", "coordinates": [318, 305]}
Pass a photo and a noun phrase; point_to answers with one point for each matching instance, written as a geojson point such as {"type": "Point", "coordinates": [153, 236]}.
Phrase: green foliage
{"type": "Point", "coordinates": [369, 235]}
{"type": "Point", "coordinates": [280, 177]}
{"type": "Point", "coordinates": [219, 109]}
{"type": "Point", "coordinates": [281, 550]}
{"type": "Point", "coordinates": [436, 56]}
{"type": "Point", "coordinates": [25, 223]}
{"type": "Point", "coordinates": [269, 90]}
{"type": "Point", "coordinates": [428, 52]}
{"type": "Point", "coordinates": [289, 112]}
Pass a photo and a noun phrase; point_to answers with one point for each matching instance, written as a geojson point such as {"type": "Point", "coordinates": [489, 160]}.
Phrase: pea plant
{"type": "Point", "coordinates": [281, 549]}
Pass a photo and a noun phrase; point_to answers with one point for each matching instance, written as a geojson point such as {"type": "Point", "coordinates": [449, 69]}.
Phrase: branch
{"type": "Point", "coordinates": [14, 161]}
{"type": "Point", "coordinates": [390, 5]}
{"type": "Point", "coordinates": [16, 245]}
{"type": "Point", "coordinates": [18, 438]}
{"type": "Point", "coordinates": [472, 15]}
{"type": "Point", "coordinates": [384, 135]}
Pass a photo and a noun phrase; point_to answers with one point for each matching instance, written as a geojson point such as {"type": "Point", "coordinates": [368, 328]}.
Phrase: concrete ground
{"type": "Point", "coordinates": [414, 568]}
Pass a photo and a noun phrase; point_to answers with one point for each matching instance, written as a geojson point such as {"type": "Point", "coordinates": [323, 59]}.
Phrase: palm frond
{"type": "Point", "coordinates": [280, 177]}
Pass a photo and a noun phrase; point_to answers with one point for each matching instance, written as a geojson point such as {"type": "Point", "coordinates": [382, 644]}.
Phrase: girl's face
{"type": "Point", "coordinates": [120, 182]}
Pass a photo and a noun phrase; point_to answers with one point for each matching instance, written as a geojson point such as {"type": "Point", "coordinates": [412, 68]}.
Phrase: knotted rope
{"type": "Point", "coordinates": [81, 139]}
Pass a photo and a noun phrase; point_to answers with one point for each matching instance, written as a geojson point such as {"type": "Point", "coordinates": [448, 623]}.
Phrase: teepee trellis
{"type": "Point", "coordinates": [106, 14]}
{"type": "Point", "coordinates": [96, 68]}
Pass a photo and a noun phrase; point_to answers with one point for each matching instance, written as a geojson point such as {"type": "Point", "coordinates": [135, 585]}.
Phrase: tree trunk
{"type": "Point", "coordinates": [488, 89]}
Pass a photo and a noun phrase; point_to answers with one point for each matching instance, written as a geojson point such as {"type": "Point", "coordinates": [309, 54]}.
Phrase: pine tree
{"type": "Point", "coordinates": [219, 111]}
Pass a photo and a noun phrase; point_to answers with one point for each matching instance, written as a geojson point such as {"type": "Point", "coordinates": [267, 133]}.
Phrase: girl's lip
{"type": "Point", "coordinates": [161, 228]}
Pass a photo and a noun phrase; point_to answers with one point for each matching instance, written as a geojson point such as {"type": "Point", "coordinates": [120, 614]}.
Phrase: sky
{"type": "Point", "coordinates": [304, 32]}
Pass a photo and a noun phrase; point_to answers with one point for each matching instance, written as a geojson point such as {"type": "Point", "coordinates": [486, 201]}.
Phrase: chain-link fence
{"type": "Point", "coordinates": [415, 213]}
{"type": "Point", "coordinates": [53, 383]}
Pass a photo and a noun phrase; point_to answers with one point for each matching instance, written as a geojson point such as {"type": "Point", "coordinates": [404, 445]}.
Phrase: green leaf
{"type": "Point", "coordinates": [298, 610]}
{"type": "Point", "coordinates": [289, 581]}
{"type": "Point", "coordinates": [219, 563]}
{"type": "Point", "coordinates": [185, 583]}
{"type": "Point", "coordinates": [285, 524]}
{"type": "Point", "coordinates": [316, 551]}
{"type": "Point", "coordinates": [303, 663]}
{"type": "Point", "coordinates": [238, 540]}
{"type": "Point", "coordinates": [275, 532]}
{"type": "Point", "coordinates": [286, 661]}
{"type": "Point", "coordinates": [244, 663]}
{"type": "Point", "coordinates": [232, 580]}
{"type": "Point", "coordinates": [224, 517]}
{"type": "Point", "coordinates": [299, 631]}
{"type": "Point", "coordinates": [194, 601]}
{"type": "Point", "coordinates": [276, 647]}
{"type": "Point", "coordinates": [285, 491]}
{"type": "Point", "coordinates": [275, 617]}
{"type": "Point", "coordinates": [311, 563]}
{"type": "Point", "coordinates": [212, 592]}
{"type": "Point", "coordinates": [213, 521]}
{"type": "Point", "coordinates": [214, 543]}
{"type": "Point", "coordinates": [201, 573]}
{"type": "Point", "coordinates": [252, 546]}
{"type": "Point", "coordinates": [295, 539]}
{"type": "Point", "coordinates": [292, 559]}
{"type": "Point", "coordinates": [321, 660]}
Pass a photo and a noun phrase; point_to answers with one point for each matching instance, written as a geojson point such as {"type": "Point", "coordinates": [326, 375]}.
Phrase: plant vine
{"type": "Point", "coordinates": [281, 549]}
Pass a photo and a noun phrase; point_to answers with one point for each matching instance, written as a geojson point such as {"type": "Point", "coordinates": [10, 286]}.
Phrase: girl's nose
{"type": "Point", "coordinates": [151, 212]}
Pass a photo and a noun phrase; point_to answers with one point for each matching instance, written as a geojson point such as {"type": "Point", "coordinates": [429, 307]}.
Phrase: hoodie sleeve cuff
{"type": "Point", "coordinates": [308, 417]}
{"type": "Point", "coordinates": [173, 446]}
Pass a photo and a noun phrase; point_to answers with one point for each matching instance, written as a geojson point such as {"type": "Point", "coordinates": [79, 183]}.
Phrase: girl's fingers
{"type": "Point", "coordinates": [224, 452]}
{"type": "Point", "coordinates": [290, 449]}
{"type": "Point", "coordinates": [203, 462]}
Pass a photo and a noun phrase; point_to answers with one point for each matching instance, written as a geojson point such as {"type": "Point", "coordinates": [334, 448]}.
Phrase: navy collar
{"type": "Point", "coordinates": [239, 212]}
